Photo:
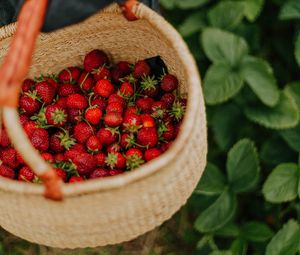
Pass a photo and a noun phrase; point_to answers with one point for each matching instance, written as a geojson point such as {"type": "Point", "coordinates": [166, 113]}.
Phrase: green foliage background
{"type": "Point", "coordinates": [248, 53]}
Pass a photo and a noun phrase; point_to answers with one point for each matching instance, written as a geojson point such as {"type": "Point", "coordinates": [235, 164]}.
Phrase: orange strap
{"type": "Point", "coordinates": [127, 8]}
{"type": "Point", "coordinates": [52, 185]}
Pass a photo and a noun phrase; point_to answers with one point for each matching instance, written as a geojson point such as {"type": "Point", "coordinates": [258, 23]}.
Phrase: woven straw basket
{"type": "Point", "coordinates": [120, 208]}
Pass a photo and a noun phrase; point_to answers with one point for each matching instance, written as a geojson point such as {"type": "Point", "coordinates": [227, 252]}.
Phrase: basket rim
{"type": "Point", "coordinates": [194, 102]}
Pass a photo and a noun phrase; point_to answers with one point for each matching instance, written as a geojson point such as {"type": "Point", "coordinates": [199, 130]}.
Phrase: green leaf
{"type": "Point", "coordinates": [221, 253]}
{"type": "Point", "coordinates": [221, 83]}
{"type": "Point", "coordinates": [286, 241]}
{"type": "Point", "coordinates": [212, 181]}
{"type": "Point", "coordinates": [168, 4]}
{"type": "Point", "coordinates": [192, 24]}
{"type": "Point", "coordinates": [284, 115]}
{"type": "Point", "coordinates": [224, 125]}
{"type": "Point", "coordinates": [293, 89]}
{"type": "Point", "coordinates": [256, 231]}
{"type": "Point", "coordinates": [242, 166]}
{"type": "Point", "coordinates": [239, 247]}
{"type": "Point", "coordinates": [224, 47]}
{"type": "Point", "coordinates": [282, 184]}
{"type": "Point", "coordinates": [297, 49]}
{"type": "Point", "coordinates": [290, 10]}
{"type": "Point", "coordinates": [292, 137]}
{"type": "Point", "coordinates": [218, 214]}
{"type": "Point", "coordinates": [253, 8]}
{"type": "Point", "coordinates": [190, 4]}
{"type": "Point", "coordinates": [226, 15]}
{"type": "Point", "coordinates": [259, 76]}
{"type": "Point", "coordinates": [229, 230]}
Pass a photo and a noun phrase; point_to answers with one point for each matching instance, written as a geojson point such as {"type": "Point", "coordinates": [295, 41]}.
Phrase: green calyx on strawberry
{"type": "Point", "coordinates": [56, 115]}
{"type": "Point", "coordinates": [177, 111]}
{"type": "Point", "coordinates": [66, 140]}
{"type": "Point", "coordinates": [149, 83]}
{"type": "Point", "coordinates": [115, 160]}
{"type": "Point", "coordinates": [40, 118]}
{"type": "Point", "coordinates": [133, 161]}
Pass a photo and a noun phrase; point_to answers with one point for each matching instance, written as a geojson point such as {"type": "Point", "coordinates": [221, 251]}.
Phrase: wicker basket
{"type": "Point", "coordinates": [120, 208]}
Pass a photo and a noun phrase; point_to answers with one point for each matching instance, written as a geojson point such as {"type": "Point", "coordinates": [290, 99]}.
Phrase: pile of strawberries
{"type": "Point", "coordinates": [97, 121]}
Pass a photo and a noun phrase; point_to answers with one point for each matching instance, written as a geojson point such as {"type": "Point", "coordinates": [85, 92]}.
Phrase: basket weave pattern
{"type": "Point", "coordinates": [117, 209]}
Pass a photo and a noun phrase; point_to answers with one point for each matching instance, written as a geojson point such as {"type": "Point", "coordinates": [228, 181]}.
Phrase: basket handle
{"type": "Point", "coordinates": [13, 71]}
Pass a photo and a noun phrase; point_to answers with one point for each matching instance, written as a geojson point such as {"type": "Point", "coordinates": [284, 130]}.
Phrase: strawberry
{"type": "Point", "coordinates": [168, 99]}
{"type": "Point", "coordinates": [56, 115]}
{"type": "Point", "coordinates": [169, 133]}
{"type": "Point", "coordinates": [126, 89]}
{"type": "Point", "coordinates": [149, 86]}
{"type": "Point", "coordinates": [94, 59]}
{"type": "Point", "coordinates": [100, 158]}
{"type": "Point", "coordinates": [9, 157]}
{"type": "Point", "coordinates": [145, 104]}
{"type": "Point", "coordinates": [107, 136]}
{"type": "Point", "coordinates": [48, 156]}
{"type": "Point", "coordinates": [159, 110]}
{"type": "Point", "coordinates": [115, 147]}
{"type": "Point", "coordinates": [178, 110]}
{"type": "Point", "coordinates": [86, 81]}
{"type": "Point", "coordinates": [29, 127]}
{"type": "Point", "coordinates": [169, 83]}
{"type": "Point", "coordinates": [69, 75]}
{"type": "Point", "coordinates": [114, 172]}
{"type": "Point", "coordinates": [127, 140]}
{"type": "Point", "coordinates": [134, 151]}
{"type": "Point", "coordinates": [99, 173]}
{"type": "Point", "coordinates": [148, 121]}
{"type": "Point", "coordinates": [177, 128]}
{"type": "Point", "coordinates": [93, 115]}
{"type": "Point", "coordinates": [62, 102]}
{"type": "Point", "coordinates": [4, 139]}
{"type": "Point", "coordinates": [115, 160]}
{"type": "Point", "coordinates": [27, 85]}
{"type": "Point", "coordinates": [131, 109]}
{"type": "Point", "coordinates": [82, 132]}
{"type": "Point", "coordinates": [134, 158]}
{"type": "Point", "coordinates": [29, 104]}
{"type": "Point", "coordinates": [45, 91]}
{"type": "Point", "coordinates": [6, 171]}
{"type": "Point", "coordinates": [67, 89]}
{"type": "Point", "coordinates": [147, 137]}
{"type": "Point", "coordinates": [115, 107]}
{"type": "Point", "coordinates": [58, 157]}
{"type": "Point", "coordinates": [124, 67]}
{"type": "Point", "coordinates": [152, 153]}
{"type": "Point", "coordinates": [23, 119]}
{"type": "Point", "coordinates": [85, 163]}
{"type": "Point", "coordinates": [61, 173]}
{"type": "Point", "coordinates": [100, 103]}
{"type": "Point", "coordinates": [132, 122]}
{"type": "Point", "coordinates": [52, 81]}
{"type": "Point", "coordinates": [141, 68]}
{"type": "Point", "coordinates": [20, 159]}
{"type": "Point", "coordinates": [40, 139]}
{"type": "Point", "coordinates": [165, 146]}
{"type": "Point", "coordinates": [115, 98]}
{"type": "Point", "coordinates": [104, 88]}
{"type": "Point", "coordinates": [26, 174]}
{"type": "Point", "coordinates": [77, 101]}
{"type": "Point", "coordinates": [113, 119]}
{"type": "Point", "coordinates": [101, 74]}
{"type": "Point", "coordinates": [93, 144]}
{"type": "Point", "coordinates": [76, 179]}
{"type": "Point", "coordinates": [61, 141]}
{"type": "Point", "coordinates": [74, 115]}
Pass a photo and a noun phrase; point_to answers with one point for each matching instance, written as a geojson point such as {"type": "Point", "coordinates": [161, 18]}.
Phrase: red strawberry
{"type": "Point", "coordinates": [99, 173]}
{"type": "Point", "coordinates": [82, 132]}
{"type": "Point", "coordinates": [134, 151]}
{"type": "Point", "coordinates": [74, 115]}
{"type": "Point", "coordinates": [9, 157]}
{"type": "Point", "coordinates": [115, 98]}
{"type": "Point", "coordinates": [165, 146]}
{"type": "Point", "coordinates": [29, 104]}
{"type": "Point", "coordinates": [58, 157]}
{"type": "Point", "coordinates": [26, 174]}
{"type": "Point", "coordinates": [61, 173]}
{"type": "Point", "coordinates": [127, 140]}
{"type": "Point", "coordinates": [27, 85]}
{"type": "Point", "coordinates": [85, 163]}
{"type": "Point", "coordinates": [132, 122]}
{"type": "Point", "coordinates": [116, 75]}
{"type": "Point", "coordinates": [177, 128]}
{"type": "Point", "coordinates": [94, 59]}
{"type": "Point", "coordinates": [104, 88]}
{"type": "Point", "coordinates": [114, 172]}
{"type": "Point", "coordinates": [145, 104]}
{"type": "Point", "coordinates": [62, 102]}
{"type": "Point", "coordinates": [115, 107]}
{"type": "Point", "coordinates": [4, 139]}
{"type": "Point", "coordinates": [20, 159]}
{"type": "Point", "coordinates": [113, 119]}
{"type": "Point", "coordinates": [100, 103]}
{"type": "Point", "coordinates": [93, 115]}
{"type": "Point", "coordinates": [148, 121]}
{"type": "Point", "coordinates": [168, 99]}
{"type": "Point", "coordinates": [61, 141]}
{"type": "Point", "coordinates": [134, 158]}
{"type": "Point", "coordinates": [115, 160]}
{"type": "Point", "coordinates": [100, 158]}
{"type": "Point", "coordinates": [86, 81]}
{"type": "Point", "coordinates": [169, 83]}
{"type": "Point", "coordinates": [52, 82]}
{"type": "Point", "coordinates": [115, 147]}
{"type": "Point", "coordinates": [79, 147]}
{"type": "Point", "coordinates": [6, 171]}
{"type": "Point", "coordinates": [178, 110]}
{"type": "Point", "coordinates": [101, 74]}
{"type": "Point", "coordinates": [70, 74]}
{"type": "Point", "coordinates": [93, 144]}
{"type": "Point", "coordinates": [152, 153]}
{"type": "Point", "coordinates": [56, 115]}
{"type": "Point", "coordinates": [40, 139]}
{"type": "Point", "coordinates": [141, 68]}
{"type": "Point", "coordinates": [147, 137]}
{"type": "Point", "coordinates": [67, 89]}
{"type": "Point", "coordinates": [76, 179]}
{"type": "Point", "coordinates": [124, 67]}
{"type": "Point", "coordinates": [131, 109]}
{"type": "Point", "coordinates": [77, 101]}
{"type": "Point", "coordinates": [107, 136]}
{"type": "Point", "coordinates": [126, 89]}
{"type": "Point", "coordinates": [48, 157]}
{"type": "Point", "coordinates": [149, 86]}
{"type": "Point", "coordinates": [29, 127]}
{"type": "Point", "coordinates": [23, 119]}
{"type": "Point", "coordinates": [169, 133]}
{"type": "Point", "coordinates": [45, 91]}
{"type": "Point", "coordinates": [159, 110]}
